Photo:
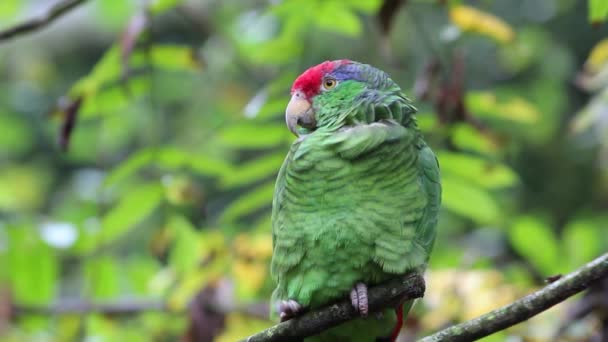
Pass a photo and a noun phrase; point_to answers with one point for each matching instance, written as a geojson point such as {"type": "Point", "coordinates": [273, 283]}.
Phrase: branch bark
{"type": "Point", "coordinates": [527, 306]}
{"type": "Point", "coordinates": [382, 296]}
{"type": "Point", "coordinates": [33, 24]}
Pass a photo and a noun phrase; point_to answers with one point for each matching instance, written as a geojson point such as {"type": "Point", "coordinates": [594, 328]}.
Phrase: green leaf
{"type": "Point", "coordinates": [170, 57]}
{"type": "Point", "coordinates": [174, 159]}
{"type": "Point", "coordinates": [208, 166]}
{"type": "Point", "coordinates": [281, 85]}
{"type": "Point", "coordinates": [113, 97]}
{"type": "Point", "coordinates": [253, 171]}
{"type": "Point", "coordinates": [159, 6]}
{"type": "Point", "coordinates": [107, 69]}
{"type": "Point", "coordinates": [128, 167]}
{"type": "Point", "coordinates": [132, 208]}
{"type": "Point", "coordinates": [598, 10]}
{"type": "Point", "coordinates": [488, 174]}
{"type": "Point", "coordinates": [273, 108]}
{"type": "Point", "coordinates": [169, 158]}
{"type": "Point", "coordinates": [9, 9]}
{"type": "Point", "coordinates": [499, 336]}
{"type": "Point", "coordinates": [367, 6]}
{"type": "Point", "coordinates": [102, 277]}
{"type": "Point", "coordinates": [107, 73]}
{"type": "Point", "coordinates": [334, 16]}
{"type": "Point", "coordinates": [427, 121]}
{"type": "Point", "coordinates": [115, 14]}
{"type": "Point", "coordinates": [534, 240]}
{"type": "Point", "coordinates": [469, 200]}
{"type": "Point", "coordinates": [254, 135]}
{"type": "Point", "coordinates": [286, 42]}
{"type": "Point", "coordinates": [15, 135]}
{"type": "Point", "coordinates": [256, 199]}
{"type": "Point", "coordinates": [33, 267]}
{"type": "Point", "coordinates": [580, 240]}
{"type": "Point", "coordinates": [446, 258]}
{"type": "Point", "coordinates": [186, 251]}
{"type": "Point", "coordinates": [141, 270]}
{"type": "Point", "coordinates": [467, 137]}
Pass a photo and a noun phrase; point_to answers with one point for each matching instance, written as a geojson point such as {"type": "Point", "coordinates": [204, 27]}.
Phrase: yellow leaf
{"type": "Point", "coordinates": [23, 187]}
{"type": "Point", "coordinates": [213, 265]}
{"type": "Point", "coordinates": [598, 57]}
{"type": "Point", "coordinates": [186, 289]}
{"type": "Point", "coordinates": [455, 295]}
{"type": "Point", "coordinates": [514, 108]}
{"type": "Point", "coordinates": [258, 246]}
{"type": "Point", "coordinates": [518, 109]}
{"type": "Point", "coordinates": [250, 276]}
{"type": "Point", "coordinates": [470, 19]}
{"type": "Point", "coordinates": [250, 267]}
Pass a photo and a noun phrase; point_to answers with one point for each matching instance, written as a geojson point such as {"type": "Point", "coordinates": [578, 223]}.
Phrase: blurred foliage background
{"type": "Point", "coordinates": [140, 140]}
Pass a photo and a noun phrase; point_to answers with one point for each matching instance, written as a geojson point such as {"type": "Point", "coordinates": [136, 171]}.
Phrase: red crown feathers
{"type": "Point", "coordinates": [309, 82]}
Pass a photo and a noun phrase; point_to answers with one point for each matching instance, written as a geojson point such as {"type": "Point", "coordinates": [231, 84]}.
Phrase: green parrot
{"type": "Point", "coordinates": [356, 199]}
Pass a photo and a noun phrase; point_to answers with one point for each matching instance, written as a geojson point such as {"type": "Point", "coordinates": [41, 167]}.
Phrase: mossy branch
{"type": "Point", "coordinates": [311, 323]}
{"type": "Point", "coordinates": [412, 286]}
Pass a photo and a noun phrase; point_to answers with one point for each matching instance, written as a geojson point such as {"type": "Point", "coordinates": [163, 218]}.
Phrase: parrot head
{"type": "Point", "coordinates": [342, 92]}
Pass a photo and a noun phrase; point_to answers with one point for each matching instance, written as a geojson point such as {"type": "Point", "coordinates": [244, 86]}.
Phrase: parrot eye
{"type": "Point", "coordinates": [329, 83]}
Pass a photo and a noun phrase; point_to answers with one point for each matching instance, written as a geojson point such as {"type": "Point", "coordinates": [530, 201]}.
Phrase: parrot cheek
{"type": "Point", "coordinates": [299, 114]}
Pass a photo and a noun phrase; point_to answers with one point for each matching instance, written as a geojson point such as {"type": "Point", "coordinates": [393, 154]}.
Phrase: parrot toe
{"type": "Point", "coordinates": [289, 309]}
{"type": "Point", "coordinates": [358, 298]}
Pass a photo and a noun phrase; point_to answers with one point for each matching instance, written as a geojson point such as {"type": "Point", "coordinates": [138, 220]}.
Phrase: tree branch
{"type": "Point", "coordinates": [527, 306]}
{"type": "Point", "coordinates": [34, 24]}
{"type": "Point", "coordinates": [382, 296]}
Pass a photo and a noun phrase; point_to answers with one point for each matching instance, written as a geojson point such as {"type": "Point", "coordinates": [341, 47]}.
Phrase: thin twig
{"type": "Point", "coordinates": [382, 296]}
{"type": "Point", "coordinates": [37, 23]}
{"type": "Point", "coordinates": [125, 307]}
{"type": "Point", "coordinates": [525, 307]}
{"type": "Point", "coordinates": [129, 307]}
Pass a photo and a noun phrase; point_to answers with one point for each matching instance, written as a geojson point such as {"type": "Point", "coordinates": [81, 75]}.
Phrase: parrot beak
{"type": "Point", "coordinates": [299, 112]}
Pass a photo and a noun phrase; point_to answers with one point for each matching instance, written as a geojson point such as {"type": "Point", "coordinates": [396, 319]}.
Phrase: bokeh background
{"type": "Point", "coordinates": [140, 140]}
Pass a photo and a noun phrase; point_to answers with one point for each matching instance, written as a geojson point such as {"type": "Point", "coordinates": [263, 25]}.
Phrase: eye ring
{"type": "Point", "coordinates": [329, 83]}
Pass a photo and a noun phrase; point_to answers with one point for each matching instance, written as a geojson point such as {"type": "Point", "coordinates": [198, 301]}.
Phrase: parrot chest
{"type": "Point", "coordinates": [338, 213]}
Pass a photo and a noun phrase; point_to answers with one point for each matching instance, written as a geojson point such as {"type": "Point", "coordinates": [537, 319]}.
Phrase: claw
{"type": "Point", "coordinates": [358, 298]}
{"type": "Point", "coordinates": [289, 309]}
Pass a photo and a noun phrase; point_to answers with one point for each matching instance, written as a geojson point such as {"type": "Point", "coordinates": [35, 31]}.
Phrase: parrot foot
{"type": "Point", "coordinates": [358, 298]}
{"type": "Point", "coordinates": [289, 309]}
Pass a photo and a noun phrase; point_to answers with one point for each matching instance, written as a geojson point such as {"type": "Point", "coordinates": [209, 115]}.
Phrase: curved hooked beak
{"type": "Point", "coordinates": [299, 112]}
